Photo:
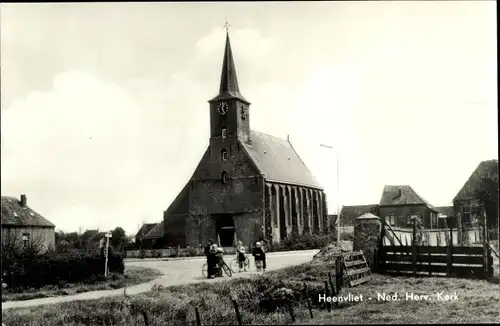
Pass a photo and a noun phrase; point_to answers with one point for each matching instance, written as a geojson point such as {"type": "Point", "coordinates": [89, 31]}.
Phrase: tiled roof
{"type": "Point", "coordinates": [402, 195]}
{"type": "Point", "coordinates": [445, 210]}
{"type": "Point", "coordinates": [155, 233]}
{"type": "Point", "coordinates": [349, 213]}
{"type": "Point", "coordinates": [13, 214]}
{"type": "Point", "coordinates": [483, 169]}
{"type": "Point", "coordinates": [278, 161]}
{"type": "Point", "coordinates": [145, 228]}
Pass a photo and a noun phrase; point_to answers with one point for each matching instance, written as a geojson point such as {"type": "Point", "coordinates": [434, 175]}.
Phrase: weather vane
{"type": "Point", "coordinates": [226, 25]}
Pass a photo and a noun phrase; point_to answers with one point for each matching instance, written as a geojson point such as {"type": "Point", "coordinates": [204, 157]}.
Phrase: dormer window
{"type": "Point", "coordinates": [223, 155]}
{"type": "Point", "coordinates": [223, 132]}
{"type": "Point", "coordinates": [224, 177]}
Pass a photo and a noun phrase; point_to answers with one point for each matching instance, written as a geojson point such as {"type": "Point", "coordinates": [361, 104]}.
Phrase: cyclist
{"type": "Point", "coordinates": [240, 256]}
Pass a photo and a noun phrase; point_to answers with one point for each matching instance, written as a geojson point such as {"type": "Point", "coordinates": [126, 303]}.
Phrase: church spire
{"type": "Point", "coordinates": [228, 81]}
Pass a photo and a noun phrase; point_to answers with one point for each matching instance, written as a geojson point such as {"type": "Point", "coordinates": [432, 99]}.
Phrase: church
{"type": "Point", "coordinates": [248, 186]}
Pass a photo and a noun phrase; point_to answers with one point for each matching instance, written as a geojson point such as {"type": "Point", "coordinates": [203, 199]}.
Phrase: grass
{"type": "Point", "coordinates": [133, 275]}
{"type": "Point", "coordinates": [478, 301]}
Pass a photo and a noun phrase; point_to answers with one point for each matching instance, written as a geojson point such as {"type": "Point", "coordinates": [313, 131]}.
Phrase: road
{"type": "Point", "coordinates": [176, 272]}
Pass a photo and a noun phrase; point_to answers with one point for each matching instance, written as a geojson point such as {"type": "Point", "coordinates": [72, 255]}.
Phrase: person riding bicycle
{"type": "Point", "coordinates": [240, 256]}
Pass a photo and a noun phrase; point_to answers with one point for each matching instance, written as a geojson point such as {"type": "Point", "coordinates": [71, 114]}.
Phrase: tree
{"type": "Point", "coordinates": [199, 216]}
{"type": "Point", "coordinates": [118, 238]}
{"type": "Point", "coordinates": [485, 199]}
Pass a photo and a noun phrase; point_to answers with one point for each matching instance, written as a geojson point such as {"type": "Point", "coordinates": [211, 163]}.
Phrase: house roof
{"type": "Point", "coordinates": [367, 216]}
{"type": "Point", "coordinates": [402, 195]}
{"type": "Point", "coordinates": [145, 228]}
{"type": "Point", "coordinates": [278, 161]}
{"type": "Point", "coordinates": [483, 169]}
{"type": "Point", "coordinates": [445, 210]}
{"type": "Point", "coordinates": [13, 214]}
{"type": "Point", "coordinates": [349, 213]}
{"type": "Point", "coordinates": [155, 233]}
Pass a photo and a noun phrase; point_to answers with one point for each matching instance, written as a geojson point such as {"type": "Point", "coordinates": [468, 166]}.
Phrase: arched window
{"type": "Point", "coordinates": [223, 132]}
{"type": "Point", "coordinates": [224, 177]}
{"type": "Point", "coordinates": [223, 154]}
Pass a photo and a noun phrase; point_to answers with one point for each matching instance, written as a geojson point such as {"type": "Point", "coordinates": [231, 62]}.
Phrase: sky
{"type": "Point", "coordinates": [104, 112]}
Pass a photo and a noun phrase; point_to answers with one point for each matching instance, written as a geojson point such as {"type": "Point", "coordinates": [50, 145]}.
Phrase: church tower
{"type": "Point", "coordinates": [229, 110]}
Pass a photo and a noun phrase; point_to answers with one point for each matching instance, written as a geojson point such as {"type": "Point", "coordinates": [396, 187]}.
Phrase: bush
{"type": "Point", "coordinates": [24, 271]}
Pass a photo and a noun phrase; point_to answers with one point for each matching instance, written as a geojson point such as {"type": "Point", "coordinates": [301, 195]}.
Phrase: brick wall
{"type": "Point", "coordinates": [402, 214]}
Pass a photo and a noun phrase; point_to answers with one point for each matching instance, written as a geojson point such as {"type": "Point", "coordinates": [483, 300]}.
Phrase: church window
{"type": "Point", "coordinates": [223, 154]}
{"type": "Point", "coordinates": [223, 132]}
{"type": "Point", "coordinates": [224, 177]}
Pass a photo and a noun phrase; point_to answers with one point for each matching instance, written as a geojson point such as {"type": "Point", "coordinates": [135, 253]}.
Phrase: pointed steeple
{"type": "Point", "coordinates": [228, 81]}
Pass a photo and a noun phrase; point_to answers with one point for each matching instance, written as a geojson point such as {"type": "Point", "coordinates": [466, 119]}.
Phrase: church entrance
{"type": "Point", "coordinates": [224, 226]}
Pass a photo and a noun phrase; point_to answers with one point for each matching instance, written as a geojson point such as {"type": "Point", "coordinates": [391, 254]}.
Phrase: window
{"type": "Point", "coordinates": [409, 220]}
{"type": "Point", "coordinates": [466, 213]}
{"type": "Point", "coordinates": [391, 219]}
{"type": "Point", "coordinates": [26, 240]}
{"type": "Point", "coordinates": [223, 155]}
{"type": "Point", "coordinates": [224, 177]}
{"type": "Point", "coordinates": [223, 132]}
{"type": "Point", "coordinates": [434, 221]}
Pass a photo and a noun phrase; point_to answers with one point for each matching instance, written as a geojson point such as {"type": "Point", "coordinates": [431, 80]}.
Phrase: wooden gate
{"type": "Point", "coordinates": [417, 260]}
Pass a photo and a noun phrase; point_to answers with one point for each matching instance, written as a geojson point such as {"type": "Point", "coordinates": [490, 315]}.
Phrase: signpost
{"type": "Point", "coordinates": [338, 194]}
{"type": "Point", "coordinates": [108, 235]}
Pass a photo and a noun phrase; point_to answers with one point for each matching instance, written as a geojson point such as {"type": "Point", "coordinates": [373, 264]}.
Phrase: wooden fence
{"type": "Point", "coordinates": [405, 257]}
{"type": "Point", "coordinates": [436, 237]}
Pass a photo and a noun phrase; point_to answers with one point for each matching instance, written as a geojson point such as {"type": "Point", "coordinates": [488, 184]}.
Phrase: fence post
{"type": "Point", "coordinates": [449, 259]}
{"type": "Point", "coordinates": [485, 243]}
{"type": "Point", "coordinates": [197, 314]}
{"type": "Point", "coordinates": [327, 292]}
{"type": "Point", "coordinates": [237, 310]}
{"type": "Point", "coordinates": [414, 248]}
{"type": "Point", "coordinates": [145, 316]}
{"type": "Point", "coordinates": [339, 275]}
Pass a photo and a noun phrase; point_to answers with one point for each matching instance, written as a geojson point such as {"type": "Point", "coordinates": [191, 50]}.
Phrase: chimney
{"type": "Point", "coordinates": [23, 200]}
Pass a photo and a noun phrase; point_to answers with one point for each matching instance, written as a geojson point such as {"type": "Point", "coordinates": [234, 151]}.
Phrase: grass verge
{"type": "Point", "coordinates": [133, 275]}
{"type": "Point", "coordinates": [257, 297]}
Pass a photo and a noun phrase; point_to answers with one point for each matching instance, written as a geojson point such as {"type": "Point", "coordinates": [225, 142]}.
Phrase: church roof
{"type": "Point", "coordinates": [228, 82]}
{"type": "Point", "coordinates": [278, 161]}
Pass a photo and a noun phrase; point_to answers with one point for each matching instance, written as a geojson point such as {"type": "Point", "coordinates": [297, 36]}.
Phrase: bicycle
{"type": "Point", "coordinates": [225, 268]}
{"type": "Point", "coordinates": [235, 264]}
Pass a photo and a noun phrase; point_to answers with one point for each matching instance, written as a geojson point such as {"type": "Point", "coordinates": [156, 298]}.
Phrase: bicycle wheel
{"type": "Point", "coordinates": [234, 265]}
{"type": "Point", "coordinates": [204, 270]}
{"type": "Point", "coordinates": [227, 270]}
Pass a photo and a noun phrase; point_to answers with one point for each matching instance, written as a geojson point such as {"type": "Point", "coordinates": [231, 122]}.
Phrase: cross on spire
{"type": "Point", "coordinates": [226, 25]}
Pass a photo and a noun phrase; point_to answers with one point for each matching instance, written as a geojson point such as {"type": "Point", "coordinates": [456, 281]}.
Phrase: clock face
{"type": "Point", "coordinates": [222, 108]}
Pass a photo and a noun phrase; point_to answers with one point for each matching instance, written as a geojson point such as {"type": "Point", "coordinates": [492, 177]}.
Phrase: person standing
{"type": "Point", "coordinates": [259, 256]}
{"type": "Point", "coordinates": [210, 259]}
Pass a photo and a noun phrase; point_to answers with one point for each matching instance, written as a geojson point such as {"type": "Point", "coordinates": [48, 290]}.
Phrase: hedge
{"type": "Point", "coordinates": [28, 271]}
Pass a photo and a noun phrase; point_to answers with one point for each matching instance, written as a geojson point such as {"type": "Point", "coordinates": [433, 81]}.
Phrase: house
{"type": "Point", "coordinates": [154, 239]}
{"type": "Point", "coordinates": [468, 214]}
{"type": "Point", "coordinates": [400, 203]}
{"type": "Point", "coordinates": [23, 226]}
{"type": "Point", "coordinates": [348, 214]}
{"type": "Point", "coordinates": [145, 228]}
{"type": "Point", "coordinates": [248, 185]}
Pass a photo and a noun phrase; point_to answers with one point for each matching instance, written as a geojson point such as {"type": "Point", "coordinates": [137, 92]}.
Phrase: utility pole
{"type": "Point", "coordinates": [108, 235]}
